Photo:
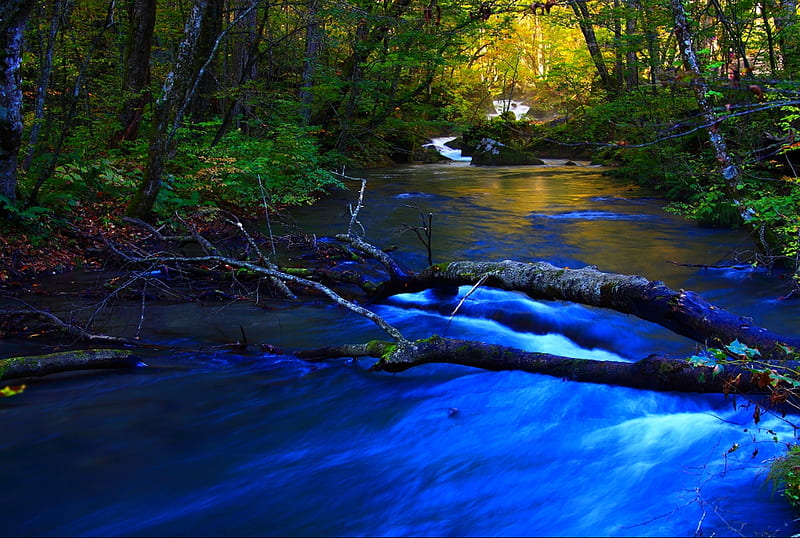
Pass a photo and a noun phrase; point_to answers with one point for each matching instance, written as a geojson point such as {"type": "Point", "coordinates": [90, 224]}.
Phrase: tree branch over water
{"type": "Point", "coordinates": [682, 311]}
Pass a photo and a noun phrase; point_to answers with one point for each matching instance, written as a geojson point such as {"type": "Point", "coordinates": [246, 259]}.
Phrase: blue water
{"type": "Point", "coordinates": [224, 443]}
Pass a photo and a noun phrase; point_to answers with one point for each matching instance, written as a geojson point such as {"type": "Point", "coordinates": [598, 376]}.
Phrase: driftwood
{"type": "Point", "coordinates": [65, 361]}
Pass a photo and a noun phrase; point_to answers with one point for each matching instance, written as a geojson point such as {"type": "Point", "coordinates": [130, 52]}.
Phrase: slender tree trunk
{"type": "Point", "coordinates": [135, 85]}
{"type": "Point", "coordinates": [311, 60]}
{"type": "Point", "coordinates": [168, 114]}
{"type": "Point", "coordinates": [773, 64]}
{"type": "Point", "coordinates": [244, 68]}
{"type": "Point", "coordinates": [730, 172]}
{"type": "Point", "coordinates": [788, 36]}
{"type": "Point", "coordinates": [585, 23]}
{"type": "Point", "coordinates": [205, 104]}
{"type": "Point", "coordinates": [72, 101]}
{"type": "Point", "coordinates": [653, 52]}
{"type": "Point", "coordinates": [631, 60]}
{"type": "Point", "coordinates": [13, 18]}
{"type": "Point", "coordinates": [619, 61]}
{"type": "Point", "coordinates": [61, 13]}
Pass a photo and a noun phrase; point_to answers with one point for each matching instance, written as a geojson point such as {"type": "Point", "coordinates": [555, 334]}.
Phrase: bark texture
{"type": "Point", "coordinates": [683, 312]}
{"type": "Point", "coordinates": [66, 361]}
{"type": "Point", "coordinates": [142, 16]}
{"type": "Point", "coordinates": [656, 373]}
{"type": "Point", "coordinates": [168, 114]}
{"type": "Point", "coordinates": [13, 18]}
{"type": "Point", "coordinates": [728, 169]}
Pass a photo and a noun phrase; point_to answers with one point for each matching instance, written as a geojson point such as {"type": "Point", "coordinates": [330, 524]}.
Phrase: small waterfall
{"type": "Point", "coordinates": [507, 105]}
{"type": "Point", "coordinates": [440, 145]}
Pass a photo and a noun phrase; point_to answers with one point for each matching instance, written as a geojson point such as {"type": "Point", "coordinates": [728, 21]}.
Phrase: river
{"type": "Point", "coordinates": [224, 443]}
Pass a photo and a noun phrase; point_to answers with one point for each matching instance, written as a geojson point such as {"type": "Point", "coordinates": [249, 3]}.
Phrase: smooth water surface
{"type": "Point", "coordinates": [220, 443]}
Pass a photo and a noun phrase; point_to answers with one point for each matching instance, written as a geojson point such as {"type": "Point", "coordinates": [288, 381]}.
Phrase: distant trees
{"type": "Point", "coordinates": [361, 81]}
{"type": "Point", "coordinates": [136, 76]}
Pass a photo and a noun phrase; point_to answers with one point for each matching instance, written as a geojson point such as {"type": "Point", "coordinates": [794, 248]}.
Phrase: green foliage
{"type": "Point", "coordinates": [783, 385]}
{"type": "Point", "coordinates": [282, 166]}
{"type": "Point", "coordinates": [501, 128]}
{"type": "Point", "coordinates": [784, 475]}
{"type": "Point", "coordinates": [709, 207]}
{"type": "Point", "coordinates": [36, 221]}
{"type": "Point", "coordinates": [776, 214]}
{"type": "Point", "coordinates": [35, 215]}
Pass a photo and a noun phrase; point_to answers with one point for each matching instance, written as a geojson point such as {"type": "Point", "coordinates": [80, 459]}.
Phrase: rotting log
{"type": "Point", "coordinates": [658, 373]}
{"type": "Point", "coordinates": [683, 312]}
{"type": "Point", "coordinates": [66, 361]}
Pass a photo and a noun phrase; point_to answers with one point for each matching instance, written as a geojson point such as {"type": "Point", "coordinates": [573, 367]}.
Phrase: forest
{"type": "Point", "coordinates": [131, 128]}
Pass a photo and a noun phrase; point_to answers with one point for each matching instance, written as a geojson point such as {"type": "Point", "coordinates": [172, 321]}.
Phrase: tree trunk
{"type": "Point", "coordinates": [72, 102]}
{"type": "Point", "coordinates": [311, 60]}
{"type": "Point", "coordinates": [730, 172]}
{"type": "Point", "coordinates": [788, 37]}
{"type": "Point", "coordinates": [142, 20]}
{"type": "Point", "coordinates": [61, 13]}
{"type": "Point", "coordinates": [244, 68]}
{"type": "Point", "coordinates": [13, 18]}
{"type": "Point", "coordinates": [205, 105]}
{"type": "Point", "coordinates": [631, 60]}
{"type": "Point", "coordinates": [683, 312]}
{"type": "Point", "coordinates": [585, 23]}
{"type": "Point", "coordinates": [168, 114]}
{"type": "Point", "coordinates": [773, 64]}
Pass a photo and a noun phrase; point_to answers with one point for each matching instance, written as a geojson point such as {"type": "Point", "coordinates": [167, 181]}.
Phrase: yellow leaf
{"type": "Point", "coordinates": [11, 391]}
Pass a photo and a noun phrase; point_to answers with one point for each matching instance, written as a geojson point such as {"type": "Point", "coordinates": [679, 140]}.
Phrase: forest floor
{"type": "Point", "coordinates": [79, 241]}
{"type": "Point", "coordinates": [58, 245]}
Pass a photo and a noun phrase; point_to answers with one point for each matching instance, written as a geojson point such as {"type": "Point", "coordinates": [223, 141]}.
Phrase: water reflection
{"type": "Point", "coordinates": [230, 444]}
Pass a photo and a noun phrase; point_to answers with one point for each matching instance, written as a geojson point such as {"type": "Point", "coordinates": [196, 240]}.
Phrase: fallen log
{"type": "Point", "coordinates": [683, 312]}
{"type": "Point", "coordinates": [658, 373]}
{"type": "Point", "coordinates": [66, 361]}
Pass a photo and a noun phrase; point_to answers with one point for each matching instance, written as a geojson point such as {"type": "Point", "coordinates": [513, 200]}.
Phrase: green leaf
{"type": "Point", "coordinates": [738, 348]}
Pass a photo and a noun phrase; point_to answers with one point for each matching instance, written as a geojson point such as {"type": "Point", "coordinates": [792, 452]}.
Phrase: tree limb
{"type": "Point", "coordinates": [64, 361]}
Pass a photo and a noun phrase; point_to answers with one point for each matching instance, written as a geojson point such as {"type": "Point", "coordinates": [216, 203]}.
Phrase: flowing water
{"type": "Point", "coordinates": [220, 443]}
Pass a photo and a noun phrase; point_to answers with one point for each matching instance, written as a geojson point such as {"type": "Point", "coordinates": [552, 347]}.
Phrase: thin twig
{"type": "Point", "coordinates": [266, 214]}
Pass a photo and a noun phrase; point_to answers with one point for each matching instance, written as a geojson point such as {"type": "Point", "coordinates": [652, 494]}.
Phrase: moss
{"type": "Point", "coordinates": [434, 338]}
{"type": "Point", "coordinates": [4, 365]}
{"type": "Point", "coordinates": [297, 271]}
{"type": "Point", "coordinates": [608, 290]}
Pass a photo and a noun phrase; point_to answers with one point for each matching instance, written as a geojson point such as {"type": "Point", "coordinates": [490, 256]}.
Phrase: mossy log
{"type": "Point", "coordinates": [683, 312]}
{"type": "Point", "coordinates": [658, 373]}
{"type": "Point", "coordinates": [66, 361]}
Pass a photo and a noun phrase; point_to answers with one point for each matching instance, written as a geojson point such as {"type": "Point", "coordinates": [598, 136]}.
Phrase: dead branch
{"type": "Point", "coordinates": [66, 361]}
